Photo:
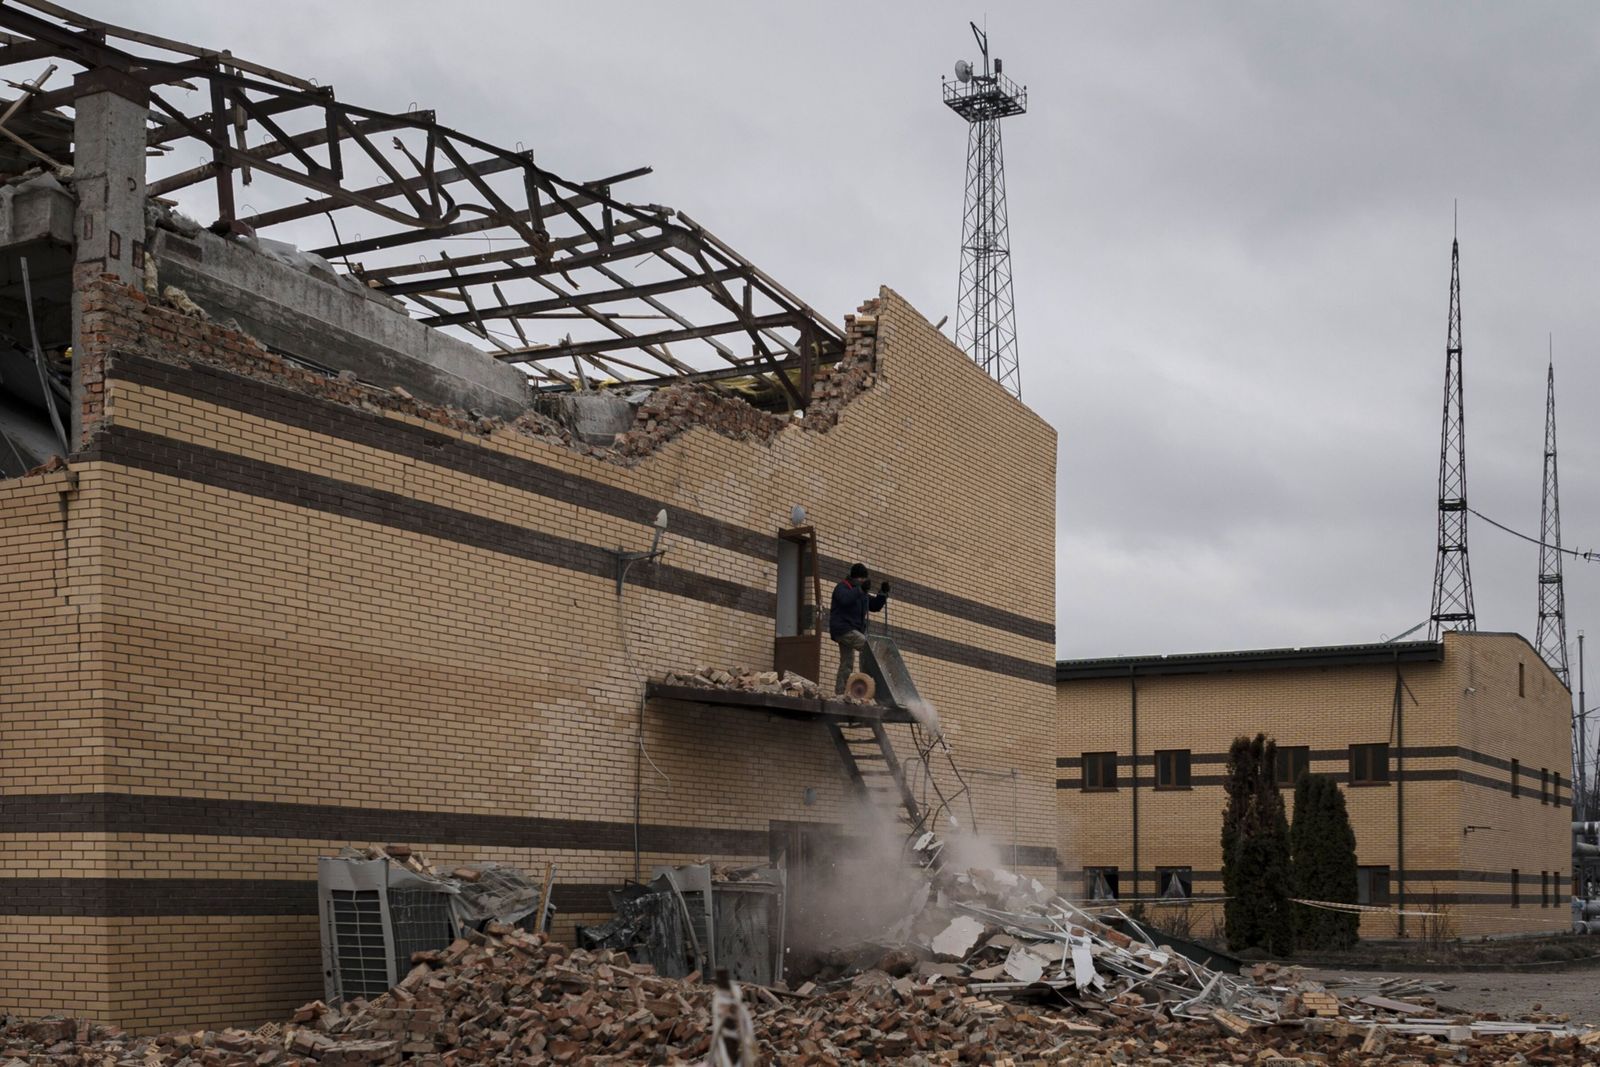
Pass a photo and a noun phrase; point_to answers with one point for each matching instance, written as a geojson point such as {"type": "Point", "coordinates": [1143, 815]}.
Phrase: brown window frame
{"type": "Point", "coordinates": [1176, 764]}
{"type": "Point", "coordinates": [1184, 875]}
{"type": "Point", "coordinates": [1105, 764]}
{"type": "Point", "coordinates": [1374, 899]}
{"type": "Point", "coordinates": [1286, 761]}
{"type": "Point", "coordinates": [1516, 887]}
{"type": "Point", "coordinates": [1522, 679]}
{"type": "Point", "coordinates": [1110, 876]}
{"type": "Point", "coordinates": [1363, 762]}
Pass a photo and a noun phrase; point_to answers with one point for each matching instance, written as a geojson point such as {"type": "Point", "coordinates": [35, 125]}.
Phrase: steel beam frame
{"type": "Point", "coordinates": [304, 153]}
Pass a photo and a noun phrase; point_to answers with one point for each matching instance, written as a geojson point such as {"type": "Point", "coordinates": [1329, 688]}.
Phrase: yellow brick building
{"type": "Point", "coordinates": [263, 614]}
{"type": "Point", "coordinates": [1453, 755]}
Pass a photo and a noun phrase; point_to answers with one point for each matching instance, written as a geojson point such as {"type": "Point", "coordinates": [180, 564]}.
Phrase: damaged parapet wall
{"type": "Point", "coordinates": [297, 303]}
{"type": "Point", "coordinates": [283, 612]}
{"type": "Point", "coordinates": [122, 321]}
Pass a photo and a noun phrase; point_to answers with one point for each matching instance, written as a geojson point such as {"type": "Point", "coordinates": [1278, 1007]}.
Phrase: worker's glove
{"type": "Point", "coordinates": [883, 589]}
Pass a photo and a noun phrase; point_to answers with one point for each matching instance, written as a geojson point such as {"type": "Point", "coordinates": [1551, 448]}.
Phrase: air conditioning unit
{"type": "Point", "coordinates": [375, 914]}
{"type": "Point", "coordinates": [692, 919]}
{"type": "Point", "coordinates": [359, 957]}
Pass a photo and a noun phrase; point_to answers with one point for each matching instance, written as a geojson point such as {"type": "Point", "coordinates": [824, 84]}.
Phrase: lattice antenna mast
{"type": "Point", "coordinates": [1552, 639]}
{"type": "Point", "coordinates": [986, 323]}
{"type": "Point", "coordinates": [1452, 576]}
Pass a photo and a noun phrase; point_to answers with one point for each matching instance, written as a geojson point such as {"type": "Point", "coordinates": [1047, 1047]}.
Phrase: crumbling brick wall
{"type": "Point", "coordinates": [333, 616]}
{"type": "Point", "coordinates": [119, 319]}
{"type": "Point", "coordinates": [51, 744]}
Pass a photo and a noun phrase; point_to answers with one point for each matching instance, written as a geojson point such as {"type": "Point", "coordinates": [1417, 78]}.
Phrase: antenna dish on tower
{"type": "Point", "coordinates": [985, 318]}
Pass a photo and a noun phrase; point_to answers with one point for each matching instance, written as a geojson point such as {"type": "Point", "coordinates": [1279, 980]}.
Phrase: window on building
{"type": "Point", "coordinates": [1100, 883]}
{"type": "Point", "coordinates": [1172, 768]}
{"type": "Point", "coordinates": [1522, 679]}
{"type": "Point", "coordinates": [1293, 763]}
{"type": "Point", "coordinates": [1369, 764]}
{"type": "Point", "coordinates": [1544, 889]}
{"type": "Point", "coordinates": [1372, 885]}
{"type": "Point", "coordinates": [1099, 771]}
{"type": "Point", "coordinates": [1516, 779]}
{"type": "Point", "coordinates": [1174, 883]}
{"type": "Point", "coordinates": [1516, 888]}
{"type": "Point", "coordinates": [1544, 785]}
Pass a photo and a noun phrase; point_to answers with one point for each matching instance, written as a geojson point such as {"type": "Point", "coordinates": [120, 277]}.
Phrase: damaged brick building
{"type": "Point", "coordinates": [302, 550]}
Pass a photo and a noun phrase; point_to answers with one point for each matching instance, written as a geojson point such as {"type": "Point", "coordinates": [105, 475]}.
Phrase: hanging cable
{"type": "Point", "coordinates": [1591, 557]}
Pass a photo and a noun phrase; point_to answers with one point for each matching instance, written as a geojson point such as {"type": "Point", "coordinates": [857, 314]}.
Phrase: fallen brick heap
{"type": "Point", "coordinates": [510, 997]}
{"type": "Point", "coordinates": [985, 967]}
{"type": "Point", "coordinates": [740, 679]}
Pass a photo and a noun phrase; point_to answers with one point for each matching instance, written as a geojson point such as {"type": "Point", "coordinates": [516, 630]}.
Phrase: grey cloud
{"type": "Point", "coordinates": [1231, 228]}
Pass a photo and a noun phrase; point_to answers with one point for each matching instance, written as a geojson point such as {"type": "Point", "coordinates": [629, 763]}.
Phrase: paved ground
{"type": "Point", "coordinates": [1574, 992]}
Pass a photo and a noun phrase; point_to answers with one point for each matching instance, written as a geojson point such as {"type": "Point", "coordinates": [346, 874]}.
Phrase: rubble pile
{"type": "Point", "coordinates": [854, 373]}
{"type": "Point", "coordinates": [788, 684]}
{"type": "Point", "coordinates": [664, 414]}
{"type": "Point", "coordinates": [984, 967]}
{"type": "Point", "coordinates": [506, 996]}
{"type": "Point", "coordinates": [670, 411]}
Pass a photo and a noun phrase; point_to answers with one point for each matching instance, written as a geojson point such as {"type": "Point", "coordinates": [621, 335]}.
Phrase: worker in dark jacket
{"type": "Point", "coordinates": [847, 618]}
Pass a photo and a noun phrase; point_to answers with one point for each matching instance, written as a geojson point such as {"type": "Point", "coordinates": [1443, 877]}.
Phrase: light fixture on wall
{"type": "Point", "coordinates": [797, 515]}
{"type": "Point", "coordinates": [625, 560]}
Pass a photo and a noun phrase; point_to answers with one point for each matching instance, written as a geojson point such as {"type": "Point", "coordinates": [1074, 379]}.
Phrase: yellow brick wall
{"type": "Point", "coordinates": [267, 651]}
{"type": "Point", "coordinates": [1328, 709]}
{"type": "Point", "coordinates": [48, 641]}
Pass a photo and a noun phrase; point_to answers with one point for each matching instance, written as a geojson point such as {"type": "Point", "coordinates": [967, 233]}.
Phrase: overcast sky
{"type": "Point", "coordinates": [1231, 241]}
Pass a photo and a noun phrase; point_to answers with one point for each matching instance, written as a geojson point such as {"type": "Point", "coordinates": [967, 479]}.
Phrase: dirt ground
{"type": "Point", "coordinates": [1573, 991]}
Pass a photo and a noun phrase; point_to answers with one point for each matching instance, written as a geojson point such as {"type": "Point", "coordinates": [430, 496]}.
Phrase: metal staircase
{"type": "Point", "coordinates": [877, 773]}
{"type": "Point", "coordinates": [874, 769]}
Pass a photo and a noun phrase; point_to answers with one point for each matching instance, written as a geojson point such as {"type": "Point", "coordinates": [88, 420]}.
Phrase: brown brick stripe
{"type": "Point", "coordinates": [154, 897]}
{"type": "Point", "coordinates": [135, 813]}
{"type": "Point", "coordinates": [1334, 755]}
{"type": "Point", "coordinates": [1417, 885]}
{"type": "Point", "coordinates": [292, 408]}
{"type": "Point", "coordinates": [124, 813]}
{"type": "Point", "coordinates": [226, 470]}
{"type": "Point", "coordinates": [132, 813]}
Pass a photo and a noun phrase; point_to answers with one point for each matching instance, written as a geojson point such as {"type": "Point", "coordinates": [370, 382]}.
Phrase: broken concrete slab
{"type": "Point", "coordinates": [1022, 966]}
{"type": "Point", "coordinates": [37, 209]}
{"type": "Point", "coordinates": [956, 942]}
{"type": "Point", "coordinates": [330, 321]}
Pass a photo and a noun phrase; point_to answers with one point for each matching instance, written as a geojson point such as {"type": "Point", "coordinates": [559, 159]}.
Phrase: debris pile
{"type": "Point", "coordinates": [853, 374]}
{"type": "Point", "coordinates": [670, 411]}
{"type": "Point", "coordinates": [788, 684]}
{"type": "Point", "coordinates": [507, 996]}
{"type": "Point", "coordinates": [124, 319]}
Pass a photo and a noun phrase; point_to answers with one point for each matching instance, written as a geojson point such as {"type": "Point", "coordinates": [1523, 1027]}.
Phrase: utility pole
{"type": "Point", "coordinates": [1552, 633]}
{"type": "Point", "coordinates": [1452, 577]}
{"type": "Point", "coordinates": [986, 324]}
{"type": "Point", "coordinates": [1581, 813]}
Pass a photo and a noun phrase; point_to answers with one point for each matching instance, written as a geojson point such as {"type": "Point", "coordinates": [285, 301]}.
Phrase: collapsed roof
{"type": "Point", "coordinates": [572, 284]}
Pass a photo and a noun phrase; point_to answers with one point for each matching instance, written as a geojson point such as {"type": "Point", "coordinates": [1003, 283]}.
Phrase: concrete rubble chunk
{"type": "Point", "coordinates": [958, 938]}
{"type": "Point", "coordinates": [1022, 966]}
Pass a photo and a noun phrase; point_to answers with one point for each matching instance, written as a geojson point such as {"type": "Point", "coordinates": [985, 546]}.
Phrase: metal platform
{"type": "Point", "coordinates": [799, 708]}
